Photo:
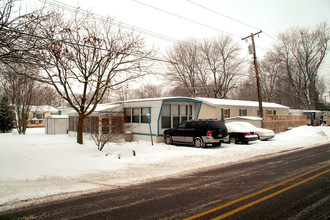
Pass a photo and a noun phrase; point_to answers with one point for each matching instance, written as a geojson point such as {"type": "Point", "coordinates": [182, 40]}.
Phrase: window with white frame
{"type": "Point", "coordinates": [144, 117]}
{"type": "Point", "coordinates": [174, 114]}
{"type": "Point", "coordinates": [166, 116]}
{"type": "Point", "coordinates": [136, 115]}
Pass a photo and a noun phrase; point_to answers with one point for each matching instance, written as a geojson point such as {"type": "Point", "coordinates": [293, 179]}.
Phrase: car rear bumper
{"type": "Point", "coordinates": [211, 140]}
{"type": "Point", "coordinates": [265, 137]}
{"type": "Point", "coordinates": [251, 137]}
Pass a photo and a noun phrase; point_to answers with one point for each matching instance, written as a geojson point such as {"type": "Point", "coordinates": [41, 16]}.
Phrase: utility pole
{"type": "Point", "coordinates": [257, 72]}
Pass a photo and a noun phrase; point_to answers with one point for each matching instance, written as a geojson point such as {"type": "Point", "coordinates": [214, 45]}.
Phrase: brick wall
{"type": "Point", "coordinates": [280, 123]}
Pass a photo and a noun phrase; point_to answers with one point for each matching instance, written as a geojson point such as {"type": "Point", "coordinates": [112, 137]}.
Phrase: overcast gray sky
{"type": "Point", "coordinates": [182, 19]}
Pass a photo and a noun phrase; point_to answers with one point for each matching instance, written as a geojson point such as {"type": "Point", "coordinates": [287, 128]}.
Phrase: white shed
{"type": "Point", "coordinates": [57, 124]}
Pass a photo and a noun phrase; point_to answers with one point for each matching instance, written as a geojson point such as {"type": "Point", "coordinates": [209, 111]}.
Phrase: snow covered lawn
{"type": "Point", "coordinates": [38, 165]}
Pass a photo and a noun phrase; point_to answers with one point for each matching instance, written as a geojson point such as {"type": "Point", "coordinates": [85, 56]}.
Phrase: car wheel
{"type": "Point", "coordinates": [168, 140]}
{"type": "Point", "coordinates": [199, 143]}
{"type": "Point", "coordinates": [233, 140]}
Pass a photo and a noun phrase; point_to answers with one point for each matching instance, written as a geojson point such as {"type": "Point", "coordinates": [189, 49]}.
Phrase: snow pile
{"type": "Point", "coordinates": [38, 165]}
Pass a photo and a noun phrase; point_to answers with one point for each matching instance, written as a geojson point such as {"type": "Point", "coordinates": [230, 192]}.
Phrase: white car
{"type": "Point", "coordinates": [263, 133]}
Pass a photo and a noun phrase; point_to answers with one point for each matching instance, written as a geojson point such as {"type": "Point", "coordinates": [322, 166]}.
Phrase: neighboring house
{"type": "Point", "coordinates": [314, 117]}
{"type": "Point", "coordinates": [38, 114]}
{"type": "Point", "coordinates": [225, 108]}
{"type": "Point", "coordinates": [64, 110]}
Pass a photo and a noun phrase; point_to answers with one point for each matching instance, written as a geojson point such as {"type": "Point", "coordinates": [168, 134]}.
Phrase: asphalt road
{"type": "Point", "coordinates": [291, 185]}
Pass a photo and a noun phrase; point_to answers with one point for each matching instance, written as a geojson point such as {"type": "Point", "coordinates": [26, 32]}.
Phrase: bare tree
{"type": "Point", "coordinates": [271, 74]}
{"type": "Point", "coordinates": [221, 66]}
{"type": "Point", "coordinates": [183, 61]}
{"type": "Point", "coordinates": [302, 51]}
{"type": "Point", "coordinates": [88, 58]}
{"type": "Point", "coordinates": [17, 35]}
{"type": "Point", "coordinates": [21, 90]}
{"type": "Point", "coordinates": [208, 68]}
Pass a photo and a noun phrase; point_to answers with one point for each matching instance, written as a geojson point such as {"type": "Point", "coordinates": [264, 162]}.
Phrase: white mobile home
{"type": "Point", "coordinates": [164, 113]}
{"type": "Point", "coordinates": [225, 108]}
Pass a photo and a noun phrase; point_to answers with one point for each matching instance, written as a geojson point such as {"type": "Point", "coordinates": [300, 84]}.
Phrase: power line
{"type": "Point", "coordinates": [222, 14]}
{"type": "Point", "coordinates": [122, 24]}
{"type": "Point", "coordinates": [187, 19]}
{"type": "Point", "coordinates": [231, 18]}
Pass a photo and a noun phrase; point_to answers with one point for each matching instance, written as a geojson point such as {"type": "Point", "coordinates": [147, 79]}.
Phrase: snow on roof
{"type": "Point", "coordinates": [179, 98]}
{"type": "Point", "coordinates": [245, 118]}
{"type": "Point", "coordinates": [43, 108]}
{"type": "Point", "coordinates": [230, 102]}
{"type": "Point", "coordinates": [58, 116]}
{"type": "Point", "coordinates": [105, 107]}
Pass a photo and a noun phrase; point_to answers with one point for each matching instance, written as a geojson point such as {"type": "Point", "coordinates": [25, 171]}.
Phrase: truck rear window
{"type": "Point", "coordinates": [217, 125]}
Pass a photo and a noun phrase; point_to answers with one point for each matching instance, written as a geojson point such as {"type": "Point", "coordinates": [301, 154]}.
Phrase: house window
{"type": "Point", "coordinates": [176, 115]}
{"type": "Point", "coordinates": [37, 115]}
{"type": "Point", "coordinates": [127, 115]}
{"type": "Point", "coordinates": [105, 126]}
{"type": "Point", "coordinates": [274, 112]}
{"type": "Point", "coordinates": [243, 112]}
{"type": "Point", "coordinates": [184, 113]}
{"type": "Point", "coordinates": [225, 113]}
{"type": "Point", "coordinates": [136, 115]}
{"type": "Point", "coordinates": [190, 112]}
{"type": "Point", "coordinates": [144, 112]}
{"type": "Point", "coordinates": [166, 116]}
{"type": "Point", "coordinates": [269, 112]}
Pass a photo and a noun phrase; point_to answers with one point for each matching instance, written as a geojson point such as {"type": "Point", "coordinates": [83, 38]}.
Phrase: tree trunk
{"type": "Point", "coordinates": [80, 128]}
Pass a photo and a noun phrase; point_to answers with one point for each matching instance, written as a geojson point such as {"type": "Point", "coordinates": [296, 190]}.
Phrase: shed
{"type": "Point", "coordinates": [57, 124]}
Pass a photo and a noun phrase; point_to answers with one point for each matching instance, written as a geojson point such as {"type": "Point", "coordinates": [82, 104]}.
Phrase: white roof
{"type": "Point", "coordinates": [43, 108]}
{"type": "Point", "coordinates": [58, 116]}
{"type": "Point", "coordinates": [230, 102]}
{"type": "Point", "coordinates": [245, 118]}
{"type": "Point", "coordinates": [99, 108]}
{"type": "Point", "coordinates": [105, 107]}
{"type": "Point", "coordinates": [158, 99]}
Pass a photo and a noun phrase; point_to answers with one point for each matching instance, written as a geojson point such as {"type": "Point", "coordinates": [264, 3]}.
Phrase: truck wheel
{"type": "Point", "coordinates": [199, 143]}
{"type": "Point", "coordinates": [168, 140]}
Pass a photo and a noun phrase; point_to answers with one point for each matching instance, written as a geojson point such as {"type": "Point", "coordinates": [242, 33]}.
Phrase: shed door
{"type": "Point", "coordinates": [49, 126]}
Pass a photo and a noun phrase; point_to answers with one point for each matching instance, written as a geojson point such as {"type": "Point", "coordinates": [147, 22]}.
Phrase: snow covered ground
{"type": "Point", "coordinates": [36, 166]}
